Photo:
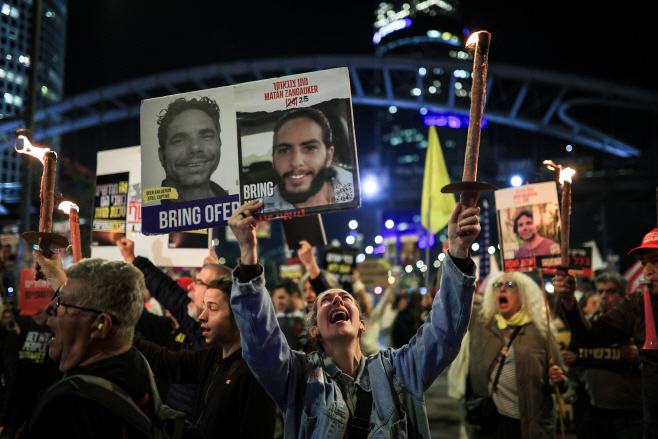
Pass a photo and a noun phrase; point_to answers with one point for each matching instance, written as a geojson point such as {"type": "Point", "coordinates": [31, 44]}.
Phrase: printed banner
{"type": "Point", "coordinates": [529, 226]}
{"type": "Point", "coordinates": [35, 294]}
{"type": "Point", "coordinates": [297, 146]}
{"type": "Point", "coordinates": [110, 209]}
{"type": "Point", "coordinates": [286, 141]}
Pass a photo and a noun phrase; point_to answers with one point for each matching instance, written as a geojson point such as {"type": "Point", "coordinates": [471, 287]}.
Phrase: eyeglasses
{"type": "Point", "coordinates": [500, 285]}
{"type": "Point", "coordinates": [58, 303]}
{"type": "Point", "coordinates": [198, 283]}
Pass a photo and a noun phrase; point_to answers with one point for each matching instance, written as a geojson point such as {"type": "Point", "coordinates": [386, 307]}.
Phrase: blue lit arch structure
{"type": "Point", "coordinates": [524, 98]}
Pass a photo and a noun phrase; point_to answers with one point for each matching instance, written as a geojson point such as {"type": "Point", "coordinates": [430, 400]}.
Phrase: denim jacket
{"type": "Point", "coordinates": [305, 387]}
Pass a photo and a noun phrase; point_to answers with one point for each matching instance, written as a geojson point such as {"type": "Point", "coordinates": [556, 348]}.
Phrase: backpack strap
{"type": "Point", "coordinates": [101, 391]}
{"type": "Point", "coordinates": [163, 413]}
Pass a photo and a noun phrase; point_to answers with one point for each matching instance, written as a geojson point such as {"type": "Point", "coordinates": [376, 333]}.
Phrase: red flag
{"type": "Point", "coordinates": [633, 276]}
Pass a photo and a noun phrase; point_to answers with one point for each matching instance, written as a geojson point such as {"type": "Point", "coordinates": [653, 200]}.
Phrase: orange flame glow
{"type": "Point", "coordinates": [65, 206]}
{"type": "Point", "coordinates": [27, 148]}
{"type": "Point", "coordinates": [473, 39]}
{"type": "Point", "coordinates": [566, 174]}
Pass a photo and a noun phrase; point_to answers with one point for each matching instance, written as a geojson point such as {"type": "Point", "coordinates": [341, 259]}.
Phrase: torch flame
{"type": "Point", "coordinates": [565, 175]}
{"type": "Point", "coordinates": [66, 206]}
{"type": "Point", "coordinates": [28, 148]}
{"type": "Point", "coordinates": [473, 39]}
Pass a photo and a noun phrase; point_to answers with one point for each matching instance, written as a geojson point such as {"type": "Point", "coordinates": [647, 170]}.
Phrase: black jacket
{"type": "Point", "coordinates": [241, 407]}
{"type": "Point", "coordinates": [72, 416]}
{"type": "Point", "coordinates": [174, 298]}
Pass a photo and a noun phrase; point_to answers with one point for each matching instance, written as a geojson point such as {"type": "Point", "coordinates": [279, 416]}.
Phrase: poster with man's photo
{"type": "Point", "coordinates": [296, 143]}
{"type": "Point", "coordinates": [190, 167]}
{"type": "Point", "coordinates": [529, 226]}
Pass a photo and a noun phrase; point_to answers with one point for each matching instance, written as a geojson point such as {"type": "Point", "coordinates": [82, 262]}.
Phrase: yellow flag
{"type": "Point", "coordinates": [436, 176]}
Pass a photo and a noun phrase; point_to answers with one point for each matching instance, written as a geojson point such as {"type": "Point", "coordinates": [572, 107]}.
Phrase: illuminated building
{"type": "Point", "coordinates": [15, 36]}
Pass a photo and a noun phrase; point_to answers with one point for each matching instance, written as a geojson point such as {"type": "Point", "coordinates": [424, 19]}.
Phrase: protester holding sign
{"type": "Point", "coordinates": [346, 392]}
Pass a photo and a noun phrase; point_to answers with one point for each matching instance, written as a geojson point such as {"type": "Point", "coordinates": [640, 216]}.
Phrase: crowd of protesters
{"type": "Point", "coordinates": [305, 358]}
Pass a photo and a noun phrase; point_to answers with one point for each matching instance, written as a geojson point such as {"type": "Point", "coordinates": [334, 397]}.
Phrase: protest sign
{"type": "Point", "coordinates": [35, 294]}
{"type": "Point", "coordinates": [189, 161]}
{"type": "Point", "coordinates": [155, 248]}
{"type": "Point", "coordinates": [110, 209]}
{"type": "Point", "coordinates": [529, 226]}
{"type": "Point", "coordinates": [297, 146]}
{"type": "Point", "coordinates": [340, 262]}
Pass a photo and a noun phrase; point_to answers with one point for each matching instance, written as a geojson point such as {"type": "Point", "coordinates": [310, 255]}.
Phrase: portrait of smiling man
{"type": "Point", "coordinates": [533, 243]}
{"type": "Point", "coordinates": [190, 148]}
{"type": "Point", "coordinates": [303, 161]}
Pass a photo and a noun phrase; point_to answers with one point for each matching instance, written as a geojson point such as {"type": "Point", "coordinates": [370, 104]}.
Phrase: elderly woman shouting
{"type": "Point", "coordinates": [510, 360]}
{"type": "Point", "coordinates": [337, 392]}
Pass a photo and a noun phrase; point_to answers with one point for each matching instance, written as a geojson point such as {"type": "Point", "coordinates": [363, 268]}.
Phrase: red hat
{"type": "Point", "coordinates": [185, 281]}
{"type": "Point", "coordinates": [650, 241]}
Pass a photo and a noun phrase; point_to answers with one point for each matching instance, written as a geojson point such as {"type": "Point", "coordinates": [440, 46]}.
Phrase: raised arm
{"type": "Point", "coordinates": [264, 347]}
{"type": "Point", "coordinates": [615, 326]}
{"type": "Point", "coordinates": [438, 341]}
{"type": "Point", "coordinates": [176, 367]}
{"type": "Point", "coordinates": [172, 296]}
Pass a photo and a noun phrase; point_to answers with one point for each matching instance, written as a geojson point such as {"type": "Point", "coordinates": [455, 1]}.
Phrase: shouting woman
{"type": "Point", "coordinates": [336, 391]}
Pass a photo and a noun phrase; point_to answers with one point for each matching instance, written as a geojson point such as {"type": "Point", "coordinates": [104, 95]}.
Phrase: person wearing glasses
{"type": "Point", "coordinates": [185, 306]}
{"type": "Point", "coordinates": [513, 309]}
{"type": "Point", "coordinates": [93, 315]}
{"type": "Point", "coordinates": [336, 391]}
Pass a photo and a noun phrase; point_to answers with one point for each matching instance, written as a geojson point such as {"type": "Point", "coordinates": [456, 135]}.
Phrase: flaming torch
{"type": "Point", "coordinates": [43, 238]}
{"type": "Point", "coordinates": [468, 187]}
{"type": "Point", "coordinates": [74, 224]}
{"type": "Point", "coordinates": [565, 218]}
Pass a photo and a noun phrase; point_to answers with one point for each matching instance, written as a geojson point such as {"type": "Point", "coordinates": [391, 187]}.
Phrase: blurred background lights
{"type": "Point", "coordinates": [549, 288]}
{"type": "Point", "coordinates": [392, 109]}
{"type": "Point", "coordinates": [408, 268]}
{"type": "Point", "coordinates": [569, 148]}
{"type": "Point", "coordinates": [391, 280]}
{"type": "Point", "coordinates": [360, 258]}
{"type": "Point", "coordinates": [369, 249]}
{"type": "Point", "coordinates": [378, 239]}
{"type": "Point", "coordinates": [475, 247]}
{"type": "Point", "coordinates": [389, 224]}
{"type": "Point", "coordinates": [415, 91]}
{"type": "Point", "coordinates": [353, 224]}
{"type": "Point", "coordinates": [370, 185]}
{"type": "Point", "coordinates": [350, 240]}
{"type": "Point", "coordinates": [437, 264]}
{"type": "Point", "coordinates": [423, 290]}
{"type": "Point", "coordinates": [422, 71]}
{"type": "Point", "coordinates": [377, 290]}
{"type": "Point", "coordinates": [442, 256]}
{"type": "Point", "coordinates": [516, 181]}
{"type": "Point", "coordinates": [491, 249]}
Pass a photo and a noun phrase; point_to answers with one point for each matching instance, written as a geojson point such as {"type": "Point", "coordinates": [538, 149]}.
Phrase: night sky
{"type": "Point", "coordinates": [114, 40]}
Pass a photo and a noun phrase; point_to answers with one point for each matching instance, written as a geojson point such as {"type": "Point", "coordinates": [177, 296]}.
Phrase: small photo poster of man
{"type": "Point", "coordinates": [296, 143]}
{"type": "Point", "coordinates": [529, 226]}
{"type": "Point", "coordinates": [190, 171]}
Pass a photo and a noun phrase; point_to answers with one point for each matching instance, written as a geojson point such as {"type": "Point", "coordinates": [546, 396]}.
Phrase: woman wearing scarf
{"type": "Point", "coordinates": [513, 307]}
